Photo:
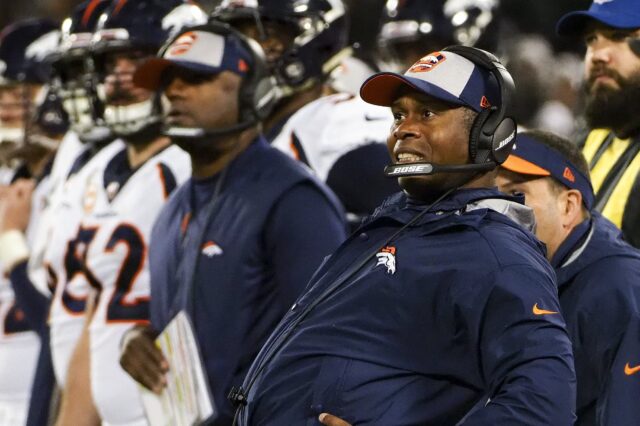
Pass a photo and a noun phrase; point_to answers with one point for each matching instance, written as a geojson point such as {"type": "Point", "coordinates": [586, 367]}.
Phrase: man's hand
{"type": "Point", "coordinates": [143, 360]}
{"type": "Point", "coordinates": [16, 201]}
{"type": "Point", "coordinates": [329, 420]}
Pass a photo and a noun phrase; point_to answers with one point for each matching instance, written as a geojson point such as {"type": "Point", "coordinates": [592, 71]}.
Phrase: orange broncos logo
{"type": "Point", "coordinates": [387, 258]}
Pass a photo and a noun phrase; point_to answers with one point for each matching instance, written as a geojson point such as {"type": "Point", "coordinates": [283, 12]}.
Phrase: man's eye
{"type": "Point", "coordinates": [619, 35]}
{"type": "Point", "coordinates": [427, 114]}
{"type": "Point", "coordinates": [589, 39]}
{"type": "Point", "coordinates": [398, 116]}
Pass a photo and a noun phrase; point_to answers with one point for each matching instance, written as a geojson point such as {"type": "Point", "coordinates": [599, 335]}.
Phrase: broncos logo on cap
{"type": "Point", "coordinates": [387, 258]}
{"type": "Point", "coordinates": [428, 62]}
{"type": "Point", "coordinates": [183, 44]}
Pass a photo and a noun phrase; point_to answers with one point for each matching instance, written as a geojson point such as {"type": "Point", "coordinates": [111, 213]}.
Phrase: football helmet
{"type": "Point", "coordinates": [411, 28]}
{"type": "Point", "coordinates": [320, 33]}
{"type": "Point", "coordinates": [25, 47]}
{"type": "Point", "coordinates": [137, 28]}
{"type": "Point", "coordinates": [72, 79]}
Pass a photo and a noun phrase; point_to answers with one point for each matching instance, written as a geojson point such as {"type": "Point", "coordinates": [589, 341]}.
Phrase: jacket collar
{"type": "Point", "coordinates": [600, 240]}
{"type": "Point", "coordinates": [402, 208]}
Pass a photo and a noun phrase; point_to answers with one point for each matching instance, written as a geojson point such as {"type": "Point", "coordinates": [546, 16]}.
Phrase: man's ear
{"type": "Point", "coordinates": [572, 208]}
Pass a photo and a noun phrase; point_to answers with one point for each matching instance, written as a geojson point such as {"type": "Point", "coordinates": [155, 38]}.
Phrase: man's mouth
{"type": "Point", "coordinates": [406, 157]}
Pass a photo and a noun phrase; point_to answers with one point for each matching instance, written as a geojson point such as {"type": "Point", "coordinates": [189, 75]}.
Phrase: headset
{"type": "Point", "coordinates": [493, 132]}
{"type": "Point", "coordinates": [258, 91]}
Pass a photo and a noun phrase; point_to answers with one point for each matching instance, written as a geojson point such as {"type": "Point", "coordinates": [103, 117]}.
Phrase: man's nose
{"type": "Point", "coordinates": [601, 50]}
{"type": "Point", "coordinates": [407, 129]}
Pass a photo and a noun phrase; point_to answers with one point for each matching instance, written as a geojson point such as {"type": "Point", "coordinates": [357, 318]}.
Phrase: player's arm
{"type": "Point", "coordinates": [302, 229]}
{"type": "Point", "coordinates": [142, 359]}
{"type": "Point", "coordinates": [14, 251]}
{"type": "Point", "coordinates": [525, 352]}
{"type": "Point", "coordinates": [139, 355]}
{"type": "Point", "coordinates": [77, 407]}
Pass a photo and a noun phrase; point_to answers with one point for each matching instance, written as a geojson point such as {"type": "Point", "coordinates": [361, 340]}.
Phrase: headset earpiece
{"type": "Point", "coordinates": [477, 143]}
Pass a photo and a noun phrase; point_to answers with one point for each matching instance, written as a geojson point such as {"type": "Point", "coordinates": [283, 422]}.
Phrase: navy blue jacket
{"type": "Point", "coordinates": [235, 251]}
{"type": "Point", "coordinates": [599, 286]}
{"type": "Point", "coordinates": [459, 307]}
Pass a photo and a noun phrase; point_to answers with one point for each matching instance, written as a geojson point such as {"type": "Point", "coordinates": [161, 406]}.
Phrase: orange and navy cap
{"type": "Point", "coordinates": [198, 50]}
{"type": "Point", "coordinates": [530, 157]}
{"type": "Point", "coordinates": [444, 75]}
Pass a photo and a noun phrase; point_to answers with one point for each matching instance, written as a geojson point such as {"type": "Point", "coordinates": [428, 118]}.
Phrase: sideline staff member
{"type": "Point", "coordinates": [235, 245]}
{"type": "Point", "coordinates": [611, 31]}
{"type": "Point", "coordinates": [598, 275]}
{"type": "Point", "coordinates": [439, 300]}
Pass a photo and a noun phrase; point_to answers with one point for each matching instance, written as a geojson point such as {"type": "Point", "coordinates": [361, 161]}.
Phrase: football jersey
{"type": "Point", "coordinates": [121, 206]}
{"type": "Point", "coordinates": [70, 147]}
{"type": "Point", "coordinates": [63, 267]}
{"type": "Point", "coordinates": [19, 344]}
{"type": "Point", "coordinates": [343, 140]}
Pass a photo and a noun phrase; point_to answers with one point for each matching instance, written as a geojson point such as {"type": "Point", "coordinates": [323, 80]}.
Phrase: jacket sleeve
{"type": "Point", "coordinates": [612, 324]}
{"type": "Point", "coordinates": [618, 401]}
{"type": "Point", "coordinates": [525, 353]}
{"type": "Point", "coordinates": [34, 304]}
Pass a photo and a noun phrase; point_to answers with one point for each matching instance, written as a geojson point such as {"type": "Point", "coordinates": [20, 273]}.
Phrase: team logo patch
{"type": "Point", "coordinates": [428, 63]}
{"type": "Point", "coordinates": [568, 175]}
{"type": "Point", "coordinates": [387, 258]}
{"type": "Point", "coordinates": [484, 103]}
{"type": "Point", "coordinates": [211, 249]}
{"type": "Point", "coordinates": [183, 44]}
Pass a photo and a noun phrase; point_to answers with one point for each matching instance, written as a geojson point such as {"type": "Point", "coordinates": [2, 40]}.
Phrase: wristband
{"type": "Point", "coordinates": [13, 249]}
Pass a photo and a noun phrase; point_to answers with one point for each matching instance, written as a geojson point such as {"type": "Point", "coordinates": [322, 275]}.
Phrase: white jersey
{"type": "Point", "coordinates": [68, 150]}
{"type": "Point", "coordinates": [343, 140]}
{"type": "Point", "coordinates": [330, 127]}
{"type": "Point", "coordinates": [19, 345]}
{"type": "Point", "coordinates": [121, 212]}
{"type": "Point", "coordinates": [63, 265]}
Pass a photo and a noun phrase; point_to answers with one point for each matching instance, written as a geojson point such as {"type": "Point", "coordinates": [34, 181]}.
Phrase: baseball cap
{"type": "Point", "coordinates": [530, 157]}
{"type": "Point", "coordinates": [198, 50]}
{"type": "Point", "coordinates": [623, 14]}
{"type": "Point", "coordinates": [444, 75]}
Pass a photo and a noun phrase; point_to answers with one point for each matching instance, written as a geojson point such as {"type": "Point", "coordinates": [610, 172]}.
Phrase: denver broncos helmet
{"type": "Point", "coordinates": [25, 48]}
{"type": "Point", "coordinates": [411, 27]}
{"type": "Point", "coordinates": [72, 73]}
{"type": "Point", "coordinates": [18, 61]}
{"type": "Point", "coordinates": [140, 26]}
{"type": "Point", "coordinates": [320, 29]}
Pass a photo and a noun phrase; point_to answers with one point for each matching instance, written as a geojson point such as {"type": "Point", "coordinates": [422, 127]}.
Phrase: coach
{"type": "Point", "coordinates": [598, 275]}
{"type": "Point", "coordinates": [442, 301]}
{"type": "Point", "coordinates": [236, 244]}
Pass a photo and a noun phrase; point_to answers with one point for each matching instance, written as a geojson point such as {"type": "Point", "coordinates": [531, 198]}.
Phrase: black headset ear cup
{"type": "Point", "coordinates": [503, 140]}
{"type": "Point", "coordinates": [475, 135]}
{"type": "Point", "coordinates": [264, 97]}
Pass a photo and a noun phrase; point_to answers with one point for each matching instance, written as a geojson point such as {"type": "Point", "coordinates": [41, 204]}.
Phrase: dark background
{"type": "Point", "coordinates": [528, 16]}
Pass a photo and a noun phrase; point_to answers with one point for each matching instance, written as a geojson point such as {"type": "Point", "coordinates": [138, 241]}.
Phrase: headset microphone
{"type": "Point", "coordinates": [198, 133]}
{"type": "Point", "coordinates": [422, 169]}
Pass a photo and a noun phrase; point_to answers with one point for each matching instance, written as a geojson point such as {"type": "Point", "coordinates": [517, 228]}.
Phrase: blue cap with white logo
{"type": "Point", "coordinates": [622, 14]}
{"type": "Point", "coordinates": [198, 50]}
{"type": "Point", "coordinates": [444, 75]}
